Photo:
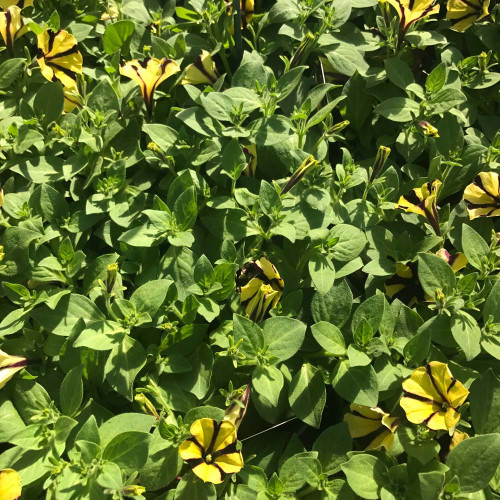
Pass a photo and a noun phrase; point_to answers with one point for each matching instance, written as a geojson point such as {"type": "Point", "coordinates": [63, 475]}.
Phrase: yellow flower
{"type": "Point", "coordinates": [411, 11]}
{"type": "Point", "coordinates": [201, 71]}
{"type": "Point", "coordinates": [432, 397]}
{"type": "Point", "coordinates": [11, 26]}
{"type": "Point", "coordinates": [403, 283]}
{"type": "Point", "coordinates": [464, 13]}
{"type": "Point", "coordinates": [458, 437]}
{"type": "Point", "coordinates": [211, 450]}
{"type": "Point", "coordinates": [483, 196]}
{"type": "Point", "coordinates": [236, 411]}
{"type": "Point", "coordinates": [457, 261]}
{"type": "Point", "coordinates": [58, 57]}
{"type": "Point", "coordinates": [308, 164]}
{"type": "Point", "coordinates": [5, 4]}
{"type": "Point", "coordinates": [10, 485]}
{"type": "Point", "coordinates": [364, 421]}
{"type": "Point", "coordinates": [71, 100]}
{"type": "Point", "coordinates": [423, 201]}
{"type": "Point", "coordinates": [148, 74]}
{"type": "Point", "coordinates": [262, 289]}
{"type": "Point", "coordinates": [251, 153]}
{"type": "Point", "coordinates": [9, 366]}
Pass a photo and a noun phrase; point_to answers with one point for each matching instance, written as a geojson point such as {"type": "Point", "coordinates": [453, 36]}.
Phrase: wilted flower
{"type": "Point", "coordinates": [201, 71]}
{"type": "Point", "coordinates": [427, 129]}
{"type": "Point", "coordinates": [457, 261]}
{"type": "Point", "coordinates": [464, 13]}
{"type": "Point", "coordinates": [211, 450]}
{"type": "Point", "coordinates": [11, 27]}
{"type": "Point", "coordinates": [411, 11]}
{"type": "Point", "coordinates": [364, 421]}
{"type": "Point", "coordinates": [9, 366]}
{"type": "Point", "coordinates": [433, 397]}
{"type": "Point", "coordinates": [423, 201]}
{"type": "Point", "coordinates": [261, 287]}
{"type": "Point", "coordinates": [251, 153]}
{"type": "Point", "coordinates": [483, 196]}
{"type": "Point", "coordinates": [308, 164]}
{"type": "Point", "coordinates": [236, 411]}
{"type": "Point", "coordinates": [10, 485]}
{"type": "Point", "coordinates": [58, 57]}
{"type": "Point", "coordinates": [148, 74]}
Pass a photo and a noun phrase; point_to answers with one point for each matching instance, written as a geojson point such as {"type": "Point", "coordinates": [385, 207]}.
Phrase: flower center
{"type": "Point", "coordinates": [208, 458]}
{"type": "Point", "coordinates": [445, 405]}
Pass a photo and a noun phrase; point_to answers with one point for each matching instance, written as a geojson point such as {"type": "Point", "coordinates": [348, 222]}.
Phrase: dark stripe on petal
{"type": "Point", "coordinates": [68, 52]}
{"type": "Point", "coordinates": [214, 436]}
{"type": "Point", "coordinates": [230, 448]}
{"type": "Point", "coordinates": [194, 462]}
{"type": "Point", "coordinates": [66, 71]}
{"type": "Point", "coordinates": [429, 372]}
{"type": "Point", "coordinates": [453, 382]}
{"type": "Point", "coordinates": [8, 22]}
{"type": "Point", "coordinates": [198, 64]}
{"type": "Point", "coordinates": [420, 398]}
{"type": "Point", "coordinates": [222, 473]}
{"type": "Point", "coordinates": [428, 419]}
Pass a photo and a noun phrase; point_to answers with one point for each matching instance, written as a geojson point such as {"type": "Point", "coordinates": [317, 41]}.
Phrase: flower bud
{"type": "Point", "coordinates": [382, 155]}
{"type": "Point", "coordinates": [307, 165]}
{"type": "Point", "coordinates": [301, 52]}
{"type": "Point", "coordinates": [111, 274]}
{"type": "Point", "coordinates": [237, 409]}
{"type": "Point", "coordinates": [338, 127]}
{"type": "Point", "coordinates": [146, 405]}
{"type": "Point", "coordinates": [2, 253]}
{"type": "Point", "coordinates": [427, 129]}
{"type": "Point", "coordinates": [133, 490]}
{"type": "Point", "coordinates": [1, 197]}
{"type": "Point", "coordinates": [483, 62]}
{"type": "Point", "coordinates": [9, 366]}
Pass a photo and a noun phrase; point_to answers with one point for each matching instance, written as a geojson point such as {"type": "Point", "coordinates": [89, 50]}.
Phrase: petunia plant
{"type": "Point", "coordinates": [249, 249]}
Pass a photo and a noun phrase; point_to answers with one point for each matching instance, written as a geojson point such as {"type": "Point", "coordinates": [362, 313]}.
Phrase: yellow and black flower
{"type": "Point", "coordinates": [483, 196]}
{"type": "Point", "coordinates": [411, 11]}
{"type": "Point", "coordinates": [404, 284]}
{"type": "Point", "coordinates": [201, 71]}
{"type": "Point", "coordinates": [11, 26]}
{"type": "Point", "coordinates": [10, 485]}
{"type": "Point", "coordinates": [211, 450]}
{"type": "Point", "coordinates": [5, 4]}
{"type": "Point", "coordinates": [457, 261]}
{"type": "Point", "coordinates": [58, 57]}
{"type": "Point", "coordinates": [433, 397]}
{"type": "Point", "coordinates": [427, 129]}
{"type": "Point", "coordinates": [366, 421]}
{"type": "Point", "coordinates": [246, 9]}
{"type": "Point", "coordinates": [423, 201]}
{"type": "Point", "coordinates": [308, 164]}
{"type": "Point", "coordinates": [260, 286]}
{"type": "Point", "coordinates": [148, 74]}
{"type": "Point", "coordinates": [9, 366]}
{"type": "Point", "coordinates": [464, 13]}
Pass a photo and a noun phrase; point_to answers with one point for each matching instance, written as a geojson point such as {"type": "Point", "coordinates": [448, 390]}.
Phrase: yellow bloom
{"type": "Point", "coordinates": [71, 100]}
{"type": "Point", "coordinates": [235, 412]}
{"type": "Point", "coordinates": [9, 366]}
{"type": "Point", "coordinates": [262, 289]}
{"type": "Point", "coordinates": [404, 279]}
{"type": "Point", "coordinates": [308, 164]}
{"type": "Point", "coordinates": [458, 437]}
{"type": "Point", "coordinates": [11, 26]}
{"type": "Point", "coordinates": [58, 57]}
{"type": "Point", "coordinates": [464, 13]}
{"type": "Point", "coordinates": [10, 485]}
{"type": "Point", "coordinates": [201, 71]}
{"type": "Point", "coordinates": [423, 201]}
{"type": "Point", "coordinates": [483, 196]}
{"type": "Point", "coordinates": [251, 153]}
{"type": "Point", "coordinates": [411, 11]}
{"type": "Point", "coordinates": [148, 74]}
{"type": "Point", "coordinates": [364, 421]}
{"type": "Point", "coordinates": [5, 4]}
{"type": "Point", "coordinates": [457, 261]}
{"type": "Point", "coordinates": [211, 450]}
{"type": "Point", "coordinates": [432, 397]}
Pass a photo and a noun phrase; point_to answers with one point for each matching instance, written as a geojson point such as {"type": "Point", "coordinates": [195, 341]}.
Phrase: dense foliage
{"type": "Point", "coordinates": [250, 249]}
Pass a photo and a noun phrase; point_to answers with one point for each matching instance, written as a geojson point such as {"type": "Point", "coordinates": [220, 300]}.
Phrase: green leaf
{"type": "Point", "coordinates": [332, 446]}
{"type": "Point", "coordinates": [49, 102]}
{"type": "Point", "coordinates": [346, 60]}
{"type": "Point", "coordinates": [190, 487]}
{"type": "Point", "coordinates": [445, 99]}
{"type": "Point", "coordinates": [322, 272]}
{"type": "Point", "coordinates": [200, 121]}
{"type": "Point", "coordinates": [284, 336]}
{"type": "Point", "coordinates": [434, 273]}
{"type": "Point", "coordinates": [269, 199]}
{"type": "Point", "coordinates": [289, 81]}
{"type": "Point", "coordinates": [366, 475]}
{"type": "Point", "coordinates": [162, 135]}
{"type": "Point", "coordinates": [252, 336]}
{"type": "Point", "coordinates": [128, 450]}
{"type": "Point", "coordinates": [149, 297]}
{"type": "Point", "coordinates": [116, 35]}
{"type": "Point", "coordinates": [198, 380]}
{"type": "Point", "coordinates": [475, 248]}
{"type": "Point", "coordinates": [492, 305]}
{"type": "Point", "coordinates": [268, 382]}
{"type": "Point", "coordinates": [398, 109]}
{"type": "Point", "coordinates": [329, 337]}
{"type": "Point", "coordinates": [333, 307]}
{"type": "Point", "coordinates": [371, 310]}
{"type": "Point", "coordinates": [307, 395]}
{"type": "Point", "coordinates": [10, 70]}
{"type": "Point", "coordinates": [398, 72]}
{"type": "Point", "coordinates": [475, 461]}
{"type": "Point", "coordinates": [71, 392]}
{"type": "Point", "coordinates": [485, 403]}
{"type": "Point", "coordinates": [49, 203]}
{"type": "Point", "coordinates": [466, 333]}
{"type": "Point", "coordinates": [357, 384]}
{"type": "Point", "coordinates": [351, 241]}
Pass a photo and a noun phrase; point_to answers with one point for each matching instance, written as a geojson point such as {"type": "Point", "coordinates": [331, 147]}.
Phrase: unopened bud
{"type": "Point", "coordinates": [152, 146]}
{"type": "Point", "coordinates": [1, 197]}
{"type": "Point", "coordinates": [111, 274]}
{"type": "Point", "coordinates": [302, 50]}
{"type": "Point", "coordinates": [133, 490]}
{"type": "Point", "coordinates": [428, 129]}
{"type": "Point", "coordinates": [338, 127]}
{"type": "Point", "coordinates": [382, 155]}
{"type": "Point", "coordinates": [146, 405]}
{"type": "Point", "coordinates": [236, 411]}
{"type": "Point", "coordinates": [483, 62]}
{"type": "Point", "coordinates": [308, 164]}
{"type": "Point", "coordinates": [2, 254]}
{"type": "Point", "coordinates": [439, 296]}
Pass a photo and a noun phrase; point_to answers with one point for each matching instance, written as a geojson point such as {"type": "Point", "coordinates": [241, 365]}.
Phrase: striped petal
{"type": "Point", "coordinates": [483, 195]}
{"type": "Point", "coordinates": [203, 431]}
{"type": "Point", "coordinates": [190, 450]}
{"type": "Point", "coordinates": [230, 462]}
{"type": "Point", "coordinates": [209, 473]}
{"type": "Point", "coordinates": [464, 13]}
{"type": "Point", "coordinates": [201, 71]}
{"type": "Point", "coordinates": [384, 440]}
